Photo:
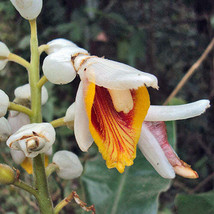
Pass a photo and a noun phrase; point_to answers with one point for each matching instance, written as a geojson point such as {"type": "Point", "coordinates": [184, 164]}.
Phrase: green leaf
{"type": "Point", "coordinates": [197, 204]}
{"type": "Point", "coordinates": [135, 191]}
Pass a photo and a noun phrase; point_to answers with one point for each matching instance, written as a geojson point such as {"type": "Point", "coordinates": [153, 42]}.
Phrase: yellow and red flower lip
{"type": "Point", "coordinates": [111, 104]}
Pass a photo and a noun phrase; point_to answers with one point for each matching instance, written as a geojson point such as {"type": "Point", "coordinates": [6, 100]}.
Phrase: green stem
{"type": "Point", "coordinates": [50, 169]}
{"type": "Point", "coordinates": [58, 122]}
{"type": "Point", "coordinates": [20, 108]}
{"type": "Point", "coordinates": [34, 75]}
{"type": "Point", "coordinates": [43, 48]}
{"type": "Point", "coordinates": [26, 187]}
{"type": "Point", "coordinates": [44, 200]}
{"type": "Point", "coordinates": [42, 81]}
{"type": "Point", "coordinates": [17, 59]}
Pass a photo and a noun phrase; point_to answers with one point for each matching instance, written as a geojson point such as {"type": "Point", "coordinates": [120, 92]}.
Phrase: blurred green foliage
{"type": "Point", "coordinates": [161, 37]}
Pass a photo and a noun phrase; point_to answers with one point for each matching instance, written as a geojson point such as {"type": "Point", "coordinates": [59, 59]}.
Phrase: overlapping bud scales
{"type": "Point", "coordinates": [28, 9]}
{"type": "Point", "coordinates": [4, 53]}
{"type": "Point", "coordinates": [33, 139]}
{"type": "Point", "coordinates": [57, 44]}
{"type": "Point", "coordinates": [23, 94]}
{"type": "Point", "coordinates": [58, 67]}
{"type": "Point", "coordinates": [5, 129]}
{"type": "Point", "coordinates": [4, 103]}
{"type": "Point", "coordinates": [69, 116]}
{"type": "Point", "coordinates": [69, 164]}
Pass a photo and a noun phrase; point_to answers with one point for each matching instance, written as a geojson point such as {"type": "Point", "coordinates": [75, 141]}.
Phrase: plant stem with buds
{"type": "Point", "coordinates": [44, 199]}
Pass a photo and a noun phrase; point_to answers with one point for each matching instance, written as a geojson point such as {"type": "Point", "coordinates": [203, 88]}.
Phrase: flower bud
{"type": "Point", "coordinates": [69, 164]}
{"type": "Point", "coordinates": [5, 129]}
{"type": "Point", "coordinates": [17, 120]}
{"type": "Point", "coordinates": [69, 117]}
{"type": "Point", "coordinates": [57, 44]}
{"type": "Point", "coordinates": [58, 67]}
{"type": "Point", "coordinates": [4, 103]}
{"type": "Point", "coordinates": [4, 53]}
{"type": "Point", "coordinates": [7, 175]}
{"type": "Point", "coordinates": [23, 93]}
{"type": "Point", "coordinates": [33, 139]}
{"type": "Point", "coordinates": [28, 9]}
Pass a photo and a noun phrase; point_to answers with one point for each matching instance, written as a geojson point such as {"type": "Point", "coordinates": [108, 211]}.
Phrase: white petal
{"type": "Point", "coordinates": [69, 164]}
{"type": "Point", "coordinates": [115, 75]}
{"type": "Point", "coordinates": [23, 92]}
{"type": "Point", "coordinates": [4, 52]}
{"type": "Point", "coordinates": [17, 120]}
{"type": "Point", "coordinates": [28, 9]}
{"type": "Point", "coordinates": [3, 63]}
{"type": "Point", "coordinates": [81, 123]}
{"type": "Point", "coordinates": [57, 44]}
{"type": "Point", "coordinates": [154, 154]}
{"type": "Point", "coordinates": [179, 112]}
{"type": "Point", "coordinates": [18, 156]}
{"type": "Point", "coordinates": [5, 129]}
{"type": "Point", "coordinates": [41, 134]}
{"type": "Point", "coordinates": [4, 103]}
{"type": "Point", "coordinates": [58, 68]}
{"type": "Point", "coordinates": [69, 116]}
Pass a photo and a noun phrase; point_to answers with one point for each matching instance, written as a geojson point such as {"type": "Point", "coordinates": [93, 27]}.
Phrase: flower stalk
{"type": "Point", "coordinates": [58, 122]}
{"type": "Point", "coordinates": [20, 108]}
{"type": "Point", "coordinates": [19, 60]}
{"type": "Point", "coordinates": [44, 200]}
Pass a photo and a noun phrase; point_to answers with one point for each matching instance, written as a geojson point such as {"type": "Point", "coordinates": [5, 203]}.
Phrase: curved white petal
{"type": "Point", "coordinates": [17, 156]}
{"type": "Point", "coordinates": [4, 103]}
{"type": "Point", "coordinates": [70, 113]}
{"type": "Point", "coordinates": [81, 123]}
{"type": "Point", "coordinates": [115, 75]}
{"type": "Point", "coordinates": [28, 9]}
{"type": "Point", "coordinates": [178, 112]}
{"type": "Point", "coordinates": [5, 129]}
{"type": "Point", "coordinates": [4, 51]}
{"type": "Point", "coordinates": [57, 44]}
{"type": "Point", "coordinates": [154, 154]}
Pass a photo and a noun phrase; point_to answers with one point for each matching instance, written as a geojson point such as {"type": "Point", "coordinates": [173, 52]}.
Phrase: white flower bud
{"type": "Point", "coordinates": [17, 156]}
{"type": "Point", "coordinates": [69, 116]}
{"type": "Point", "coordinates": [57, 44]}
{"type": "Point", "coordinates": [33, 139]}
{"type": "Point", "coordinates": [4, 52]}
{"type": "Point", "coordinates": [58, 67]}
{"type": "Point", "coordinates": [28, 9]}
{"type": "Point", "coordinates": [5, 129]}
{"type": "Point", "coordinates": [17, 120]}
{"type": "Point", "coordinates": [69, 164]}
{"type": "Point", "coordinates": [4, 103]}
{"type": "Point", "coordinates": [23, 93]}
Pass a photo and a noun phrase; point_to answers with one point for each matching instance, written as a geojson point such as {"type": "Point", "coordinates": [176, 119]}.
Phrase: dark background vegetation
{"type": "Point", "coordinates": [161, 37]}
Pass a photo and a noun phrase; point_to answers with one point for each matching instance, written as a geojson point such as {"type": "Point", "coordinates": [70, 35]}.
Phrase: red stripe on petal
{"type": "Point", "coordinates": [116, 133]}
